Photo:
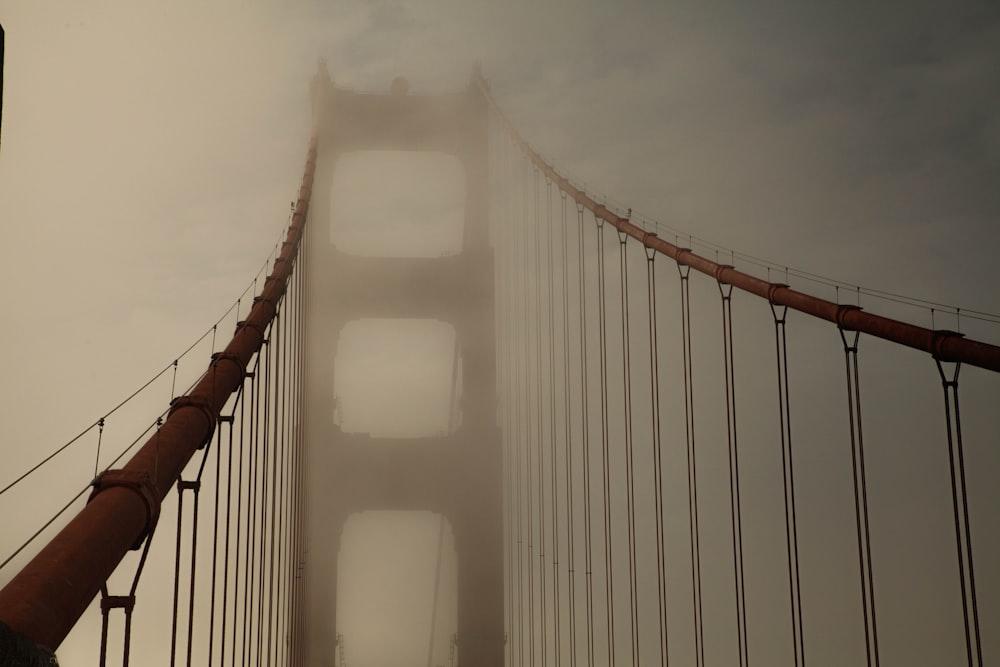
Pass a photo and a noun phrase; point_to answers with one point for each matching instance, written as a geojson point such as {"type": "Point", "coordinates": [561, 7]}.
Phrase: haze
{"type": "Point", "coordinates": [150, 152]}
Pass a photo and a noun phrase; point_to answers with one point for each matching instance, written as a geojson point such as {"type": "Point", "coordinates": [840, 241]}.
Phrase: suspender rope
{"type": "Point", "coordinates": [225, 558]}
{"type": "Point", "coordinates": [126, 603]}
{"type": "Point", "coordinates": [570, 541]}
{"type": "Point", "coordinates": [654, 393]}
{"type": "Point", "coordinates": [195, 487]}
{"type": "Point", "coordinates": [629, 459]}
{"type": "Point", "coordinates": [265, 425]}
{"type": "Point", "coordinates": [504, 233]}
{"type": "Point", "coordinates": [508, 231]}
{"type": "Point", "coordinates": [726, 292]}
{"type": "Point", "coordinates": [692, 468]}
{"type": "Point", "coordinates": [609, 579]}
{"type": "Point", "coordinates": [298, 556]}
{"type": "Point", "coordinates": [585, 433]}
{"type": "Point", "coordinates": [779, 313]}
{"type": "Point", "coordinates": [246, 422]}
{"type": "Point", "coordinates": [860, 495]}
{"type": "Point", "coordinates": [223, 419]}
{"type": "Point", "coordinates": [960, 507]}
{"type": "Point", "coordinates": [275, 448]}
{"type": "Point", "coordinates": [553, 473]}
{"type": "Point", "coordinates": [278, 561]}
{"type": "Point", "coordinates": [249, 548]}
{"type": "Point", "coordinates": [526, 415]}
{"type": "Point", "coordinates": [177, 574]}
{"type": "Point", "coordinates": [539, 420]}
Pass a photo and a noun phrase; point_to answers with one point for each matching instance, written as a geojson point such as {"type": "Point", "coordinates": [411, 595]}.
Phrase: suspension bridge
{"type": "Point", "coordinates": [658, 451]}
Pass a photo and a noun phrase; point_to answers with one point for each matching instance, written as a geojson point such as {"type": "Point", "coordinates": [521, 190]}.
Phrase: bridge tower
{"type": "Point", "coordinates": [457, 475]}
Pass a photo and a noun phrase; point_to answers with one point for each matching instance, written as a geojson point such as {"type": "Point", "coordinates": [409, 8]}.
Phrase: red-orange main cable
{"type": "Point", "coordinates": [944, 345]}
{"type": "Point", "coordinates": [46, 598]}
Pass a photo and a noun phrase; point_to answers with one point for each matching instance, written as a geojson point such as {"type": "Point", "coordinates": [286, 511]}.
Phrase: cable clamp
{"type": "Point", "coordinates": [275, 280]}
{"type": "Point", "coordinates": [228, 356]}
{"type": "Point", "coordinates": [842, 313]}
{"type": "Point", "coordinates": [252, 325]}
{"type": "Point", "coordinates": [719, 271]}
{"type": "Point", "coordinates": [201, 404]}
{"type": "Point", "coordinates": [139, 483]}
{"type": "Point", "coordinates": [264, 299]}
{"type": "Point", "coordinates": [772, 291]}
{"type": "Point", "coordinates": [940, 339]}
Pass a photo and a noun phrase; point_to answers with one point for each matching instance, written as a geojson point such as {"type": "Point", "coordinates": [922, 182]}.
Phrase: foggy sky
{"type": "Point", "coordinates": [149, 153]}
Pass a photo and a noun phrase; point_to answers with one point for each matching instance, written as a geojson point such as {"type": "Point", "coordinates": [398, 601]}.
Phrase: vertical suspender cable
{"type": "Point", "coordinates": [264, 490]}
{"type": "Point", "coordinates": [290, 511]}
{"type": "Point", "coordinates": [177, 575]}
{"type": "Point", "coordinates": [278, 490]}
{"type": "Point", "coordinates": [585, 435]}
{"type": "Point", "coordinates": [525, 417]}
{"type": "Point", "coordinates": [539, 421]}
{"type": "Point", "coordinates": [860, 495]}
{"type": "Point", "coordinates": [282, 505]}
{"type": "Point", "coordinates": [609, 578]}
{"type": "Point", "coordinates": [246, 419]}
{"type": "Point", "coordinates": [629, 459]}
{"type": "Point", "coordinates": [239, 523]}
{"type": "Point", "coordinates": [506, 317]}
{"type": "Point", "coordinates": [779, 313]}
{"type": "Point", "coordinates": [692, 468]}
{"type": "Point", "coordinates": [297, 458]}
{"type": "Point", "coordinates": [554, 475]}
{"type": "Point", "coordinates": [252, 545]}
{"type": "Point", "coordinates": [215, 533]}
{"type": "Point", "coordinates": [570, 541]}
{"type": "Point", "coordinates": [215, 536]}
{"type": "Point", "coordinates": [654, 393]}
{"type": "Point", "coordinates": [287, 576]}
{"type": "Point", "coordinates": [196, 489]}
{"type": "Point", "coordinates": [960, 508]}
{"type": "Point", "coordinates": [528, 435]}
{"type": "Point", "coordinates": [228, 536]}
{"type": "Point", "coordinates": [726, 292]}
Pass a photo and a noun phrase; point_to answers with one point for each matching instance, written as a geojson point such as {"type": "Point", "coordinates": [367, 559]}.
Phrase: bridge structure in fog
{"type": "Point", "coordinates": [654, 455]}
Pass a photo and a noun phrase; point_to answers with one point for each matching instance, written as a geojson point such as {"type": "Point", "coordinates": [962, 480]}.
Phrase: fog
{"type": "Point", "coordinates": [149, 155]}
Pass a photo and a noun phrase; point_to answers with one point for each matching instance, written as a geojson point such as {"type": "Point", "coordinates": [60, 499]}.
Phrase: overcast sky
{"type": "Point", "coordinates": [150, 151]}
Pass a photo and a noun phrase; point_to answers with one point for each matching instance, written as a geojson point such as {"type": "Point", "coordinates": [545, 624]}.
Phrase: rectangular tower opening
{"type": "Point", "coordinates": [397, 204]}
{"type": "Point", "coordinates": [397, 378]}
{"type": "Point", "coordinates": [397, 600]}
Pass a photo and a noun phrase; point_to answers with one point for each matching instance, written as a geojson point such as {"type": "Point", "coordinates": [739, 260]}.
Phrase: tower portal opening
{"type": "Point", "coordinates": [388, 203]}
{"type": "Point", "coordinates": [397, 589]}
{"type": "Point", "coordinates": [397, 378]}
